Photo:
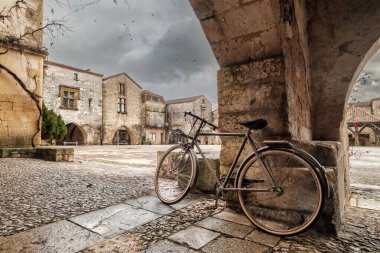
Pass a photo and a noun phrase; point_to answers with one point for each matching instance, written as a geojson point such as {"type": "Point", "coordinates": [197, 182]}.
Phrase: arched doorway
{"type": "Point", "coordinates": [75, 135]}
{"type": "Point", "coordinates": [122, 137]}
{"type": "Point", "coordinates": [176, 137]}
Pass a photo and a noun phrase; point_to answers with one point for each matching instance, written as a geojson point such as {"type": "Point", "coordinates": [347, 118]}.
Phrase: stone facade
{"type": "Point", "coordinates": [82, 112]}
{"type": "Point", "coordinates": [363, 120]}
{"type": "Point", "coordinates": [122, 110]}
{"type": "Point", "coordinates": [198, 105]}
{"type": "Point", "coordinates": [19, 111]}
{"type": "Point", "coordinates": [153, 118]}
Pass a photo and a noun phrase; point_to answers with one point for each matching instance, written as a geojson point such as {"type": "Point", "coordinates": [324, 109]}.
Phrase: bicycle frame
{"type": "Point", "coordinates": [247, 138]}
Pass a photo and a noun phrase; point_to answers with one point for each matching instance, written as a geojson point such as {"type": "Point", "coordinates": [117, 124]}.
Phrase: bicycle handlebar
{"type": "Point", "coordinates": [203, 120]}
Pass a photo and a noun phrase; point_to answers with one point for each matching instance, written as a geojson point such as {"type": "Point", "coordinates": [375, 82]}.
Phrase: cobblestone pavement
{"type": "Point", "coordinates": [35, 192]}
{"type": "Point", "coordinates": [202, 228]}
{"type": "Point", "coordinates": [365, 166]}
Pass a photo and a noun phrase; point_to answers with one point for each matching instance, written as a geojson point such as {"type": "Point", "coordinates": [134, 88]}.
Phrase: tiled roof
{"type": "Point", "coordinates": [358, 115]}
{"type": "Point", "coordinates": [120, 74]}
{"type": "Point", "coordinates": [46, 63]}
{"type": "Point", "coordinates": [184, 100]}
{"type": "Point", "coordinates": [152, 94]}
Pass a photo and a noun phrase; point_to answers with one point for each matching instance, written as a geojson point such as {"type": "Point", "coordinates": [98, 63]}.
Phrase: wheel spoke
{"type": "Point", "coordinates": [174, 175]}
{"type": "Point", "coordinates": [293, 203]}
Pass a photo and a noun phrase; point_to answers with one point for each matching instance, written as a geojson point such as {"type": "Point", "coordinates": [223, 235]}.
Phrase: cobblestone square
{"type": "Point", "coordinates": [41, 196]}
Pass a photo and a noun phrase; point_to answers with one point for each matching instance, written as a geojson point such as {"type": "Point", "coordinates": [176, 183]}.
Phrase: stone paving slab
{"type": "Point", "coordinates": [194, 237]}
{"type": "Point", "coordinates": [234, 245]}
{"type": "Point", "coordinates": [225, 227]}
{"type": "Point", "coordinates": [59, 237]}
{"type": "Point", "coordinates": [230, 215]}
{"type": "Point", "coordinates": [263, 238]}
{"type": "Point", "coordinates": [166, 246]}
{"type": "Point", "coordinates": [184, 203]}
{"type": "Point", "coordinates": [369, 204]}
{"type": "Point", "coordinates": [151, 203]}
{"type": "Point", "coordinates": [115, 219]}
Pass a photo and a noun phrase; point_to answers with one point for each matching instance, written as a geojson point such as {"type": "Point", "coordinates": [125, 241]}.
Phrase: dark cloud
{"type": "Point", "coordinates": [369, 80]}
{"type": "Point", "coordinates": [159, 43]}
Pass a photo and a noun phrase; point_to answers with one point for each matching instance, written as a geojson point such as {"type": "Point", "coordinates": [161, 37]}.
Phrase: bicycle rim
{"type": "Point", "coordinates": [175, 174]}
{"type": "Point", "coordinates": [293, 204]}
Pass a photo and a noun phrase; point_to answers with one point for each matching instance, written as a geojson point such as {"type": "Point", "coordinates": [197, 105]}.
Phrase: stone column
{"type": "Point", "coordinates": [251, 91]}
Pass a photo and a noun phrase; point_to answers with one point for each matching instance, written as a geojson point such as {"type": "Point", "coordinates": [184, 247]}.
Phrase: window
{"type": "Point", "coordinates": [122, 88]}
{"type": "Point", "coordinates": [69, 97]}
{"type": "Point", "coordinates": [152, 136]}
{"type": "Point", "coordinates": [76, 76]}
{"type": "Point", "coordinates": [151, 122]}
{"type": "Point", "coordinates": [122, 105]}
{"type": "Point", "coordinates": [203, 113]}
{"type": "Point", "coordinates": [160, 122]}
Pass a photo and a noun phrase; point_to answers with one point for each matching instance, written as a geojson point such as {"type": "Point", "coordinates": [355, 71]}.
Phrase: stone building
{"type": "Point", "coordinates": [198, 105]}
{"type": "Point", "coordinates": [363, 120]}
{"type": "Point", "coordinates": [75, 94]}
{"type": "Point", "coordinates": [21, 64]}
{"type": "Point", "coordinates": [153, 118]}
{"type": "Point", "coordinates": [215, 140]}
{"type": "Point", "coordinates": [121, 110]}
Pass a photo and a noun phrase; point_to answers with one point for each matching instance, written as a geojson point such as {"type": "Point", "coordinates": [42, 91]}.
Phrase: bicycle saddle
{"type": "Point", "coordinates": [254, 124]}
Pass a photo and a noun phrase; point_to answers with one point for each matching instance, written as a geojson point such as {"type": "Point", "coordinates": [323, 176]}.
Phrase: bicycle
{"type": "Point", "coordinates": [281, 188]}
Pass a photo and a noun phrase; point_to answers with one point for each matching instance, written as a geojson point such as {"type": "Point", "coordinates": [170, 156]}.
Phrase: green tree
{"type": "Point", "coordinates": [53, 126]}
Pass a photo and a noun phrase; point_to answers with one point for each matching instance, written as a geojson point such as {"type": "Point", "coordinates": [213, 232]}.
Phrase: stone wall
{"type": "Point", "coordinates": [153, 118]}
{"type": "Point", "coordinates": [112, 119]}
{"type": "Point", "coordinates": [176, 112]}
{"type": "Point", "coordinates": [247, 92]}
{"type": "Point", "coordinates": [88, 114]}
{"type": "Point", "coordinates": [293, 63]}
{"type": "Point", "coordinates": [19, 114]}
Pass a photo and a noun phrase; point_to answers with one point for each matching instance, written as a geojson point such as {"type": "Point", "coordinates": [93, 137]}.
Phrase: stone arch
{"type": "Point", "coordinates": [342, 39]}
{"type": "Point", "coordinates": [175, 137]}
{"type": "Point", "coordinates": [75, 134]}
{"type": "Point", "coordinates": [122, 136]}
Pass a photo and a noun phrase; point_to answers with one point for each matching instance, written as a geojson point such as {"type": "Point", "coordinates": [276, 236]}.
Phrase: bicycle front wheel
{"type": "Point", "coordinates": [291, 203]}
{"type": "Point", "coordinates": [176, 173]}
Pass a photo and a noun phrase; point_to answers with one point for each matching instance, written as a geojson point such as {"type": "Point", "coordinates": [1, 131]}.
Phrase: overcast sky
{"type": "Point", "coordinates": [159, 43]}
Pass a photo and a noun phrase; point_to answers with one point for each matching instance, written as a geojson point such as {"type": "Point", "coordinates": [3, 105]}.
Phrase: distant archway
{"type": "Point", "coordinates": [176, 137]}
{"type": "Point", "coordinates": [122, 136]}
{"type": "Point", "coordinates": [75, 135]}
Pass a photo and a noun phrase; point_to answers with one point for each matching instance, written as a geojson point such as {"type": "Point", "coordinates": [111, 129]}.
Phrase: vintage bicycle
{"type": "Point", "coordinates": [281, 188]}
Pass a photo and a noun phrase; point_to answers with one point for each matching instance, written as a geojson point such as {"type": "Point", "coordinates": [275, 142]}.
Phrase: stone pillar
{"type": "Point", "coordinates": [251, 91]}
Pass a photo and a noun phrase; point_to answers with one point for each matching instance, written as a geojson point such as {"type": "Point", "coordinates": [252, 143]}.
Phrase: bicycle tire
{"type": "Point", "coordinates": [180, 180]}
{"type": "Point", "coordinates": [271, 213]}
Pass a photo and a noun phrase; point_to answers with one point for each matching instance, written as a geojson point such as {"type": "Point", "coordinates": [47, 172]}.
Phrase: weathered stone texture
{"type": "Point", "coordinates": [112, 120]}
{"type": "Point", "coordinates": [239, 30]}
{"type": "Point", "coordinates": [88, 114]}
{"type": "Point", "coordinates": [153, 118]}
{"type": "Point", "coordinates": [322, 47]}
{"type": "Point", "coordinates": [251, 91]}
{"type": "Point", "coordinates": [199, 106]}
{"type": "Point", "coordinates": [343, 37]}
{"type": "Point", "coordinates": [18, 112]}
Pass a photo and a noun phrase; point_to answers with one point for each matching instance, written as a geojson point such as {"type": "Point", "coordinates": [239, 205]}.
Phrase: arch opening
{"type": "Point", "coordinates": [176, 137]}
{"type": "Point", "coordinates": [363, 103]}
{"type": "Point", "coordinates": [75, 135]}
{"type": "Point", "coordinates": [122, 136]}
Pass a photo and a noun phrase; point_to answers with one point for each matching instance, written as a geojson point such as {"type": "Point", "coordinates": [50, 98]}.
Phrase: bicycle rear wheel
{"type": "Point", "coordinates": [175, 175]}
{"type": "Point", "coordinates": [289, 206]}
